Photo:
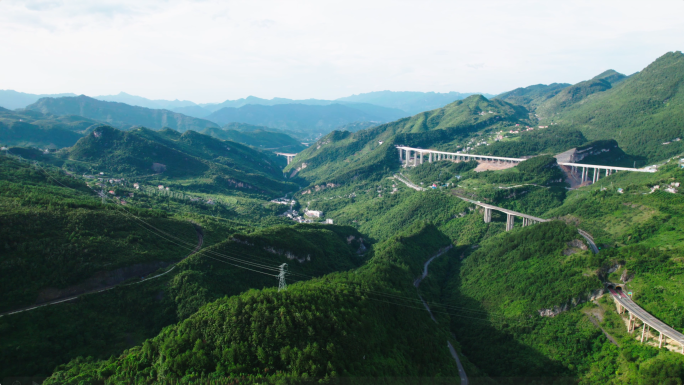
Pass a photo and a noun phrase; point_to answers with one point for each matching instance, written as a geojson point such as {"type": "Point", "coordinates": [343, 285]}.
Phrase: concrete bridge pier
{"type": "Point", "coordinates": [430, 157]}
{"type": "Point", "coordinates": [510, 220]}
{"type": "Point", "coordinates": [401, 155]}
{"type": "Point", "coordinates": [421, 158]}
{"type": "Point", "coordinates": [487, 215]}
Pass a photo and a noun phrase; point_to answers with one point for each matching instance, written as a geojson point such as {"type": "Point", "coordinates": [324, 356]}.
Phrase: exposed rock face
{"type": "Point", "coordinates": [288, 254]}
{"type": "Point", "coordinates": [158, 167]}
{"type": "Point", "coordinates": [626, 277]}
{"type": "Point", "coordinates": [574, 246]}
{"type": "Point", "coordinates": [554, 311]}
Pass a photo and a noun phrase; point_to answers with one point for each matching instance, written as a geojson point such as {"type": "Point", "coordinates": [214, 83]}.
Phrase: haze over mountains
{"type": "Point", "coordinates": [225, 264]}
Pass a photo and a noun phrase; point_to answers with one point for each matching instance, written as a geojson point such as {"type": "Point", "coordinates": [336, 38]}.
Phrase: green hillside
{"type": "Point", "coordinates": [643, 112]}
{"type": "Point", "coordinates": [531, 97]}
{"type": "Point", "coordinates": [307, 119]}
{"type": "Point", "coordinates": [32, 128]}
{"type": "Point", "coordinates": [340, 326]}
{"type": "Point", "coordinates": [189, 161]}
{"type": "Point", "coordinates": [261, 137]}
{"type": "Point", "coordinates": [343, 156]}
{"type": "Point", "coordinates": [118, 115]}
{"type": "Point", "coordinates": [410, 102]}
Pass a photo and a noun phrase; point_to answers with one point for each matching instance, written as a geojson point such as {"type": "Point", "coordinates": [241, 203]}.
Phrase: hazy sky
{"type": "Point", "coordinates": [209, 51]}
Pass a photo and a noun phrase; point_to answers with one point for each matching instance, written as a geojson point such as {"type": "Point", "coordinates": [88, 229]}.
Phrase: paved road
{"type": "Point", "coordinates": [416, 283]}
{"type": "Point", "coordinates": [589, 239]}
{"type": "Point", "coordinates": [647, 318]}
{"type": "Point", "coordinates": [406, 182]}
{"type": "Point", "coordinates": [200, 240]}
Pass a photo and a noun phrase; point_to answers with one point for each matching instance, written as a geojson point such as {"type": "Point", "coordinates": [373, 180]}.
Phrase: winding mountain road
{"type": "Point", "coordinates": [416, 283]}
{"type": "Point", "coordinates": [200, 240]}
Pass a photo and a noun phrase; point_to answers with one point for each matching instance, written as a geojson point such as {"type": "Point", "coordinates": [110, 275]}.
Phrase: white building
{"type": "Point", "coordinates": [313, 213]}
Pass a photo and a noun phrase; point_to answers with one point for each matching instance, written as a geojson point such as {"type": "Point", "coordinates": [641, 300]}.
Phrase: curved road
{"type": "Point", "coordinates": [200, 240]}
{"type": "Point", "coordinates": [589, 239]}
{"type": "Point", "coordinates": [416, 283]}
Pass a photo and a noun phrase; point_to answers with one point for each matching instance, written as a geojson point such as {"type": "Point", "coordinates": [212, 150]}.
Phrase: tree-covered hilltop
{"type": "Point", "coordinates": [306, 119]}
{"type": "Point", "coordinates": [59, 240]}
{"type": "Point", "coordinates": [118, 115]}
{"type": "Point", "coordinates": [56, 234]}
{"type": "Point", "coordinates": [343, 156]}
{"type": "Point", "coordinates": [365, 323]}
{"type": "Point", "coordinates": [189, 161]}
{"type": "Point", "coordinates": [33, 128]}
{"type": "Point", "coordinates": [642, 112]}
{"type": "Point", "coordinates": [531, 97]}
{"type": "Point", "coordinates": [261, 137]}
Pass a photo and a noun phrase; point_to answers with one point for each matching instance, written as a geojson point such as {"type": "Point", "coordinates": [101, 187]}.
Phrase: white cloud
{"type": "Point", "coordinates": [213, 50]}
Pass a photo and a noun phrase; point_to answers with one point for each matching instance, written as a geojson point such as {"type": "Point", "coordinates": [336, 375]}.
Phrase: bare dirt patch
{"type": "Point", "coordinates": [493, 166]}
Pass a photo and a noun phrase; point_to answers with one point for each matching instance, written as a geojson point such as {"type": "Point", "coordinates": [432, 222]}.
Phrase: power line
{"type": "Point", "coordinates": [281, 268]}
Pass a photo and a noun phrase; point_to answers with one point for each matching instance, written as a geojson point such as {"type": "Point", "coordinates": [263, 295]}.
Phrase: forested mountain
{"type": "Point", "coordinates": [532, 96]}
{"type": "Point", "coordinates": [133, 100]}
{"type": "Point", "coordinates": [189, 161]}
{"type": "Point", "coordinates": [119, 115]}
{"type": "Point", "coordinates": [300, 117]}
{"type": "Point", "coordinates": [211, 280]}
{"type": "Point", "coordinates": [340, 156]}
{"type": "Point", "coordinates": [408, 101]}
{"type": "Point", "coordinates": [262, 137]}
{"type": "Point", "coordinates": [643, 112]}
{"type": "Point", "coordinates": [33, 128]}
{"type": "Point", "coordinates": [340, 326]}
{"type": "Point", "coordinates": [11, 99]}
{"type": "Point", "coordinates": [569, 96]}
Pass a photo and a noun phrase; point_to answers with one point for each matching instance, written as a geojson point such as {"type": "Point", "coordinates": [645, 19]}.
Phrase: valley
{"type": "Point", "coordinates": [479, 240]}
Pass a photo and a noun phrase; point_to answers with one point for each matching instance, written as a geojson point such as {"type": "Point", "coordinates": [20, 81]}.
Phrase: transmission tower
{"type": "Point", "coordinates": [282, 285]}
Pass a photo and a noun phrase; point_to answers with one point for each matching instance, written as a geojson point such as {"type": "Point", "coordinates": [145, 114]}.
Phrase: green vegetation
{"type": "Point", "coordinates": [119, 115]}
{"type": "Point", "coordinates": [532, 96]}
{"type": "Point", "coordinates": [306, 119]}
{"type": "Point", "coordinates": [32, 128]}
{"type": "Point", "coordinates": [641, 112]}
{"type": "Point", "coordinates": [261, 137]}
{"type": "Point", "coordinates": [549, 141]}
{"type": "Point", "coordinates": [338, 326]}
{"type": "Point", "coordinates": [189, 161]}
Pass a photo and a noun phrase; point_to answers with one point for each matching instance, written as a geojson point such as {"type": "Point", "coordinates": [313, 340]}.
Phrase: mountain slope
{"type": "Point", "coordinates": [260, 137]}
{"type": "Point", "coordinates": [119, 115]}
{"type": "Point", "coordinates": [32, 128]}
{"type": "Point", "coordinates": [641, 112]}
{"type": "Point", "coordinates": [532, 96]}
{"type": "Point", "coordinates": [296, 117]}
{"type": "Point", "coordinates": [409, 102]}
{"type": "Point", "coordinates": [339, 326]}
{"type": "Point", "coordinates": [139, 101]}
{"type": "Point", "coordinates": [343, 156]}
{"type": "Point", "coordinates": [198, 162]}
{"type": "Point", "coordinates": [11, 99]}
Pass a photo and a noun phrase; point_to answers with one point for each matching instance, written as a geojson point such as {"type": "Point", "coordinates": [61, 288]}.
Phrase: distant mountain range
{"type": "Point", "coordinates": [11, 99]}
{"type": "Point", "coordinates": [119, 115]}
{"type": "Point", "coordinates": [301, 117]}
{"type": "Point", "coordinates": [408, 101]}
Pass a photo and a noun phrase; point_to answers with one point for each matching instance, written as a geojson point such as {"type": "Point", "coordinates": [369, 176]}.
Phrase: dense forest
{"type": "Point", "coordinates": [159, 255]}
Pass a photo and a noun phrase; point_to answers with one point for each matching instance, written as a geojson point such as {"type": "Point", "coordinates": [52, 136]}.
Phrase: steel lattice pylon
{"type": "Point", "coordinates": [282, 285]}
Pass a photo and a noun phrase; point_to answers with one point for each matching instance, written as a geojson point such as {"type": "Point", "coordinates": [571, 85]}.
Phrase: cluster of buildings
{"type": "Point", "coordinates": [671, 188]}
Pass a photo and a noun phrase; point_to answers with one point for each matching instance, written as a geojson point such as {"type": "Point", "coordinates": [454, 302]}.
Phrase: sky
{"type": "Point", "coordinates": [209, 51]}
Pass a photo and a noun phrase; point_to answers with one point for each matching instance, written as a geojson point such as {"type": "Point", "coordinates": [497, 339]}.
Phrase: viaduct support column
{"type": "Point", "coordinates": [430, 158]}
{"type": "Point", "coordinates": [401, 155]}
{"type": "Point", "coordinates": [421, 158]}
{"type": "Point", "coordinates": [408, 156]}
{"type": "Point", "coordinates": [510, 220]}
{"type": "Point", "coordinates": [487, 215]}
{"type": "Point", "coordinates": [643, 332]}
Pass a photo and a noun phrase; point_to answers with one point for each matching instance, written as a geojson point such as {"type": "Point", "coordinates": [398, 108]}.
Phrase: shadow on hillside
{"type": "Point", "coordinates": [493, 348]}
